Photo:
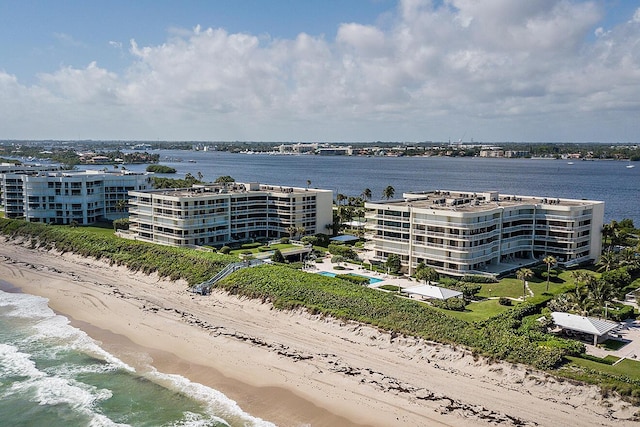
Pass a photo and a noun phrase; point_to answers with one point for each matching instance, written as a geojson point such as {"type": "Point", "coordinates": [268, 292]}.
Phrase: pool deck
{"type": "Point", "coordinates": [327, 266]}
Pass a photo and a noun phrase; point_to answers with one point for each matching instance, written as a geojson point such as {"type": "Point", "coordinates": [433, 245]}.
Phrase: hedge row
{"type": "Point", "coordinates": [174, 263]}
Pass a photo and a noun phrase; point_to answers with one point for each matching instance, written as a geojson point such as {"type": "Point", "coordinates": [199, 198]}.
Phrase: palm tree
{"type": "Point", "coordinates": [629, 257]}
{"type": "Point", "coordinates": [388, 192]}
{"type": "Point", "coordinates": [301, 230]}
{"type": "Point", "coordinates": [607, 261]}
{"type": "Point", "coordinates": [366, 194]}
{"type": "Point", "coordinates": [613, 232]}
{"type": "Point", "coordinates": [549, 260]}
{"type": "Point", "coordinates": [121, 205]}
{"type": "Point", "coordinates": [599, 290]}
{"type": "Point", "coordinates": [579, 300]}
{"type": "Point", "coordinates": [524, 274]}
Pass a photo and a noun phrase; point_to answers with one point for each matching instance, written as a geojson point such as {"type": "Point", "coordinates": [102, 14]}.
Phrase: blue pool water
{"type": "Point", "coordinates": [372, 280]}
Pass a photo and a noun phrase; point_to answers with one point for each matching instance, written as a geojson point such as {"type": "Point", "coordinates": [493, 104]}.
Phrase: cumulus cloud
{"type": "Point", "coordinates": [508, 70]}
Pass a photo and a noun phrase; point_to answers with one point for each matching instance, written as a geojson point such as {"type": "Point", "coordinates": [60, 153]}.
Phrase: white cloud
{"type": "Point", "coordinates": [496, 67]}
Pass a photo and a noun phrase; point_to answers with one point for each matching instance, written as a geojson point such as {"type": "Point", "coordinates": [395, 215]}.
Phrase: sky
{"type": "Point", "coordinates": [321, 70]}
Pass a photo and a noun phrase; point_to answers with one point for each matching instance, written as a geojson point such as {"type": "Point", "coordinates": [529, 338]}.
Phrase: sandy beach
{"type": "Point", "coordinates": [293, 368]}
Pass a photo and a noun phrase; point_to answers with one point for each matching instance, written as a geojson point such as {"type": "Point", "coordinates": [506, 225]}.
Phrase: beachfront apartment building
{"type": "Point", "coordinates": [218, 214]}
{"type": "Point", "coordinates": [65, 197]}
{"type": "Point", "coordinates": [460, 233]}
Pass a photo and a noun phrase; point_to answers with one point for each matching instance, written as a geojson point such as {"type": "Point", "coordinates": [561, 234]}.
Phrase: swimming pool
{"type": "Point", "coordinates": [372, 280]}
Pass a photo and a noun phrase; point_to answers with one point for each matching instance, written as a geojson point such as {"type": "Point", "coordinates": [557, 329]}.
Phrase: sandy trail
{"type": "Point", "coordinates": [293, 368]}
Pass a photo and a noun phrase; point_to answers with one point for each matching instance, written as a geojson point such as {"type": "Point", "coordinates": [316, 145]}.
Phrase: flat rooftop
{"type": "Point", "coordinates": [230, 188]}
{"type": "Point", "coordinates": [461, 201]}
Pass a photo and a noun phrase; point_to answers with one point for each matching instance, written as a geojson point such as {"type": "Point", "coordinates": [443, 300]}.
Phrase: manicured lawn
{"type": "Point", "coordinates": [480, 310]}
{"type": "Point", "coordinates": [628, 367]}
{"type": "Point", "coordinates": [512, 287]}
{"type": "Point", "coordinates": [508, 287]}
{"type": "Point", "coordinates": [614, 345]}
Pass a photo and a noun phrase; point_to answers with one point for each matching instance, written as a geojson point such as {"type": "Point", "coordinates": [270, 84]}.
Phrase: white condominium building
{"type": "Point", "coordinates": [460, 233]}
{"type": "Point", "coordinates": [217, 214]}
{"type": "Point", "coordinates": [61, 197]}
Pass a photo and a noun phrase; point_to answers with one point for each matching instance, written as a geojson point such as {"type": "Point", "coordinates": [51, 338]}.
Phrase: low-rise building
{"type": "Point", "coordinates": [63, 197]}
{"type": "Point", "coordinates": [460, 233]}
{"type": "Point", "coordinates": [218, 214]}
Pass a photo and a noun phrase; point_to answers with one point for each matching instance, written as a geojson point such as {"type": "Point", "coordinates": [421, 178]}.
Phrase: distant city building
{"type": "Point", "coordinates": [62, 197]}
{"type": "Point", "coordinates": [499, 152]}
{"type": "Point", "coordinates": [516, 153]}
{"type": "Point", "coordinates": [335, 151]}
{"type": "Point", "coordinates": [492, 152]}
{"type": "Point", "coordinates": [460, 233]}
{"type": "Point", "coordinates": [218, 214]}
{"type": "Point", "coordinates": [297, 148]}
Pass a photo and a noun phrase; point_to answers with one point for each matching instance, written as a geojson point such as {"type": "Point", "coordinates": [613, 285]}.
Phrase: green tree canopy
{"type": "Point", "coordinates": [393, 263]}
{"type": "Point", "coordinates": [224, 179]}
{"type": "Point", "coordinates": [428, 274]}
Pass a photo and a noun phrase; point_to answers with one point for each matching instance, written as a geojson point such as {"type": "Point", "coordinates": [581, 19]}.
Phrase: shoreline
{"type": "Point", "coordinates": [293, 368]}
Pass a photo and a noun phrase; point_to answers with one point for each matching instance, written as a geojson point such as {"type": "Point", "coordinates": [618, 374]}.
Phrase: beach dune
{"type": "Point", "coordinates": [293, 368]}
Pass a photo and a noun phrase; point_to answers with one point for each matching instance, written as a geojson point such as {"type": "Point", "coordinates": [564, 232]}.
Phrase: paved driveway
{"type": "Point", "coordinates": [630, 333]}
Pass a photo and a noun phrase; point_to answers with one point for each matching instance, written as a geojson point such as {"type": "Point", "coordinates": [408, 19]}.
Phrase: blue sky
{"type": "Point", "coordinates": [350, 70]}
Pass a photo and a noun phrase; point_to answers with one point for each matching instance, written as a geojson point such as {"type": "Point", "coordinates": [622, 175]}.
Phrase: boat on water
{"type": "Point", "coordinates": [630, 166]}
{"type": "Point", "coordinates": [569, 163]}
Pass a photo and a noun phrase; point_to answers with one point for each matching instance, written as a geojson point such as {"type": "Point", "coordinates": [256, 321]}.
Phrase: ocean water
{"type": "Point", "coordinates": [54, 375]}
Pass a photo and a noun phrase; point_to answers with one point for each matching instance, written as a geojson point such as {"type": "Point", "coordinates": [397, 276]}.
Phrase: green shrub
{"type": "Point", "coordinates": [341, 250]}
{"type": "Point", "coordinates": [455, 304]}
{"type": "Point", "coordinates": [319, 239]}
{"type": "Point", "coordinates": [358, 280]}
{"type": "Point", "coordinates": [618, 278]}
{"type": "Point", "coordinates": [277, 256]}
{"type": "Point", "coordinates": [504, 301]}
{"type": "Point", "coordinates": [596, 359]}
{"type": "Point", "coordinates": [621, 312]}
{"type": "Point", "coordinates": [121, 224]}
{"type": "Point", "coordinates": [448, 282]}
{"type": "Point", "coordinates": [251, 245]}
{"type": "Point", "coordinates": [225, 250]}
{"type": "Point", "coordinates": [476, 278]}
